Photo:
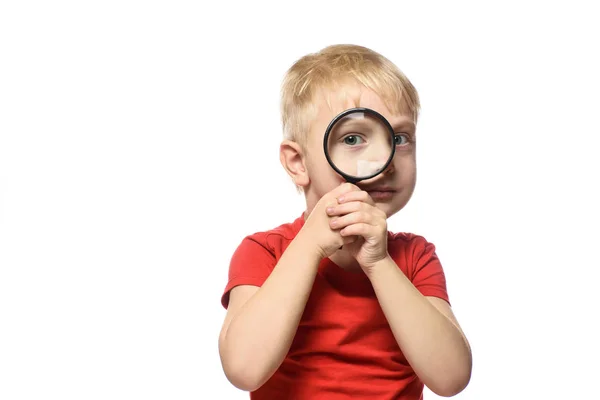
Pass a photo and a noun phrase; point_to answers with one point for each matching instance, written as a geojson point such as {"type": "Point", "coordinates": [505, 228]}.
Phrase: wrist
{"type": "Point", "coordinates": [376, 269]}
{"type": "Point", "coordinates": [308, 247]}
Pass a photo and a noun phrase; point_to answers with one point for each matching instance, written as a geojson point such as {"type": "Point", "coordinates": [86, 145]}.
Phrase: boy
{"type": "Point", "coordinates": [332, 305]}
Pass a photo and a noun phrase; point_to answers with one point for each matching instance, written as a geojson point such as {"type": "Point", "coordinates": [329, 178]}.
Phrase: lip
{"type": "Point", "coordinates": [380, 189]}
{"type": "Point", "coordinates": [381, 193]}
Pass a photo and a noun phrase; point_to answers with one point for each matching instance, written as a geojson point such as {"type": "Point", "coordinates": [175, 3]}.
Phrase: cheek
{"type": "Point", "coordinates": [324, 177]}
{"type": "Point", "coordinates": [319, 169]}
{"type": "Point", "coordinates": [406, 166]}
{"type": "Point", "coordinates": [316, 165]}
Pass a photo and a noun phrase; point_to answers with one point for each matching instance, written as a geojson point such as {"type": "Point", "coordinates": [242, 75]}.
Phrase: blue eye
{"type": "Point", "coordinates": [352, 140]}
{"type": "Point", "coordinates": [400, 140]}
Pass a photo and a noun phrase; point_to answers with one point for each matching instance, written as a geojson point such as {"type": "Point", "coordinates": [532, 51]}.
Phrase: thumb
{"type": "Point", "coordinates": [350, 239]}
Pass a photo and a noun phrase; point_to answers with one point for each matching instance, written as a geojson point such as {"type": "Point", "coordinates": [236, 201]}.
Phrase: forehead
{"type": "Point", "coordinates": [331, 102]}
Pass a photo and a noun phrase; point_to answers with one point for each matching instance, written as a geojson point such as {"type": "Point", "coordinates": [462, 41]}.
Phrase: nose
{"type": "Point", "coordinates": [386, 172]}
{"type": "Point", "coordinates": [389, 169]}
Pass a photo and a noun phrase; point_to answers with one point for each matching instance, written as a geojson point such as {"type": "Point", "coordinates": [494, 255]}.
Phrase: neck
{"type": "Point", "coordinates": [344, 260]}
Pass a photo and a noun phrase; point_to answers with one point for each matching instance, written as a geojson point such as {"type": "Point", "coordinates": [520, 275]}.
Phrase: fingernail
{"type": "Point", "coordinates": [329, 210]}
{"type": "Point", "coordinates": [340, 199]}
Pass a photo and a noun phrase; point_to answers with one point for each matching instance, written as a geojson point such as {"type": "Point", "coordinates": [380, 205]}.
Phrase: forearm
{"type": "Point", "coordinates": [260, 334]}
{"type": "Point", "coordinates": [431, 342]}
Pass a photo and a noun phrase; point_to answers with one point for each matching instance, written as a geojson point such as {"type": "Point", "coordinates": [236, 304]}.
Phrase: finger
{"type": "Point", "coordinates": [364, 202]}
{"type": "Point", "coordinates": [343, 189]}
{"type": "Point", "coordinates": [352, 218]}
{"type": "Point", "coordinates": [361, 229]}
{"type": "Point", "coordinates": [350, 239]}
{"type": "Point", "coordinates": [347, 208]}
{"type": "Point", "coordinates": [359, 195]}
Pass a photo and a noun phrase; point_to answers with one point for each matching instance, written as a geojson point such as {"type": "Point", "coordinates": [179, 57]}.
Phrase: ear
{"type": "Point", "coordinates": [291, 156]}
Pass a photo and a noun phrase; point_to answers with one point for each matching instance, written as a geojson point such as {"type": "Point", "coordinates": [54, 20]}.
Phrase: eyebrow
{"type": "Point", "coordinates": [350, 123]}
{"type": "Point", "coordinates": [404, 126]}
{"type": "Point", "coordinates": [399, 126]}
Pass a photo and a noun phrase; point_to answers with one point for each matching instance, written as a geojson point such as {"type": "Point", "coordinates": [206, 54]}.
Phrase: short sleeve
{"type": "Point", "coordinates": [251, 264]}
{"type": "Point", "coordinates": [428, 275]}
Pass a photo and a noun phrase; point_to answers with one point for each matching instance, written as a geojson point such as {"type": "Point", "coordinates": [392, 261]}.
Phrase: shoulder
{"type": "Point", "coordinates": [411, 252]}
{"type": "Point", "coordinates": [276, 239]}
{"type": "Point", "coordinates": [408, 241]}
{"type": "Point", "coordinates": [256, 255]}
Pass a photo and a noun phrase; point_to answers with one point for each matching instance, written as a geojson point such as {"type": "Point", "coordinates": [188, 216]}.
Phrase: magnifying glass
{"type": "Point", "coordinates": [359, 144]}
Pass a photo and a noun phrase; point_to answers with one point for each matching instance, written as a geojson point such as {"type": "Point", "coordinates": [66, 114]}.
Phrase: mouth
{"type": "Point", "coordinates": [381, 192]}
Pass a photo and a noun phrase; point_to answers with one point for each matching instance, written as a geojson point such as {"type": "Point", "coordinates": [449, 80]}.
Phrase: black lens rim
{"type": "Point", "coordinates": [351, 178]}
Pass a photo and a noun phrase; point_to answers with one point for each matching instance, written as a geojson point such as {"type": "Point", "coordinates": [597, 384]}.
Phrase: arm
{"type": "Point", "coordinates": [425, 329]}
{"type": "Point", "coordinates": [261, 322]}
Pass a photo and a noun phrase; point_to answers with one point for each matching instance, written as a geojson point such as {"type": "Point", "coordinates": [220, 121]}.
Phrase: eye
{"type": "Point", "coordinates": [352, 140]}
{"type": "Point", "coordinates": [401, 139]}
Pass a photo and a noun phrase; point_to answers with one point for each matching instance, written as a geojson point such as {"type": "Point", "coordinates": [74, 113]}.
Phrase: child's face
{"type": "Point", "coordinates": [399, 177]}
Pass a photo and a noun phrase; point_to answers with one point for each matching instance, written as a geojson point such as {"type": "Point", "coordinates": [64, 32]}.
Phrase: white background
{"type": "Point", "coordinates": [139, 145]}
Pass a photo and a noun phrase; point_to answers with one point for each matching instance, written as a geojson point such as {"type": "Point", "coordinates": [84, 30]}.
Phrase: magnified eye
{"type": "Point", "coordinates": [352, 140]}
{"type": "Point", "coordinates": [400, 140]}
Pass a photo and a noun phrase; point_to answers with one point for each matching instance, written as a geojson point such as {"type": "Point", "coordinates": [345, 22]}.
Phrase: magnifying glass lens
{"type": "Point", "coordinates": [360, 145]}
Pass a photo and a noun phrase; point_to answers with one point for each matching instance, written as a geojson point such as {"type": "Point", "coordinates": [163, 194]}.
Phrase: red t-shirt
{"type": "Point", "coordinates": [344, 347]}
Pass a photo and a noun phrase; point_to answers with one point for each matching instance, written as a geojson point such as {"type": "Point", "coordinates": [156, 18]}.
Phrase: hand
{"type": "Point", "coordinates": [317, 230]}
{"type": "Point", "coordinates": [356, 215]}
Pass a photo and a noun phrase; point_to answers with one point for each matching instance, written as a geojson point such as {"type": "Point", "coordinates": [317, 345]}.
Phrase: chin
{"type": "Point", "coordinates": [390, 208]}
{"type": "Point", "coordinates": [387, 208]}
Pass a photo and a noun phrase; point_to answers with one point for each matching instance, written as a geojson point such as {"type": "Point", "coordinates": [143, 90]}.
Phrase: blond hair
{"type": "Point", "coordinates": [332, 67]}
